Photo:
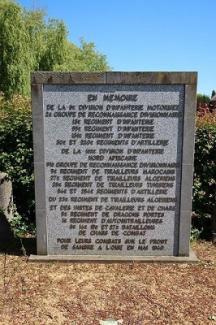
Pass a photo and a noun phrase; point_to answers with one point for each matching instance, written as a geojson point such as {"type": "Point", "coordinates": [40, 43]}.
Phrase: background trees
{"type": "Point", "coordinates": [202, 99]}
{"type": "Point", "coordinates": [30, 42]}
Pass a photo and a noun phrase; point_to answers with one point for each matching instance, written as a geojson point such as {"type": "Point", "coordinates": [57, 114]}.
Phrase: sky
{"type": "Point", "coordinates": [144, 35]}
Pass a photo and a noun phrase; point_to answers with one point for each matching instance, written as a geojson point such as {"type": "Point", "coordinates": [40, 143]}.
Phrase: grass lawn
{"type": "Point", "coordinates": [84, 294]}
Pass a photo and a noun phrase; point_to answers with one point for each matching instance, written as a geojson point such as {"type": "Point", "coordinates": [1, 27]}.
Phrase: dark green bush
{"type": "Point", "coordinates": [203, 99]}
{"type": "Point", "coordinates": [204, 195]}
{"type": "Point", "coordinates": [16, 153]}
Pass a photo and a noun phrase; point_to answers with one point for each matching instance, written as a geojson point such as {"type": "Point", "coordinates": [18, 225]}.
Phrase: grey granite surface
{"type": "Point", "coordinates": [79, 219]}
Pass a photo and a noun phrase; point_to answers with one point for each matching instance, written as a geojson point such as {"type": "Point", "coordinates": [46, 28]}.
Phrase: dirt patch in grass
{"type": "Point", "coordinates": [84, 294]}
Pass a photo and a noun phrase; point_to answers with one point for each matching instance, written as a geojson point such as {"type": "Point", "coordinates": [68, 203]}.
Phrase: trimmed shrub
{"type": "Point", "coordinates": [16, 153]}
{"type": "Point", "coordinates": [204, 196]}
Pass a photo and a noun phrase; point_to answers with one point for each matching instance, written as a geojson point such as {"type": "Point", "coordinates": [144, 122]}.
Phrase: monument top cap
{"type": "Point", "coordinates": [114, 77]}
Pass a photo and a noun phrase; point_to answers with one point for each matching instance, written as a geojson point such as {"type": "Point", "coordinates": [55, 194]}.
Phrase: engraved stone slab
{"type": "Point", "coordinates": [112, 168]}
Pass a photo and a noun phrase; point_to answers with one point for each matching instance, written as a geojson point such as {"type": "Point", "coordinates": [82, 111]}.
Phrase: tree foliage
{"type": "Point", "coordinates": [213, 93]}
{"type": "Point", "coordinates": [83, 58]}
{"type": "Point", "coordinates": [14, 50]}
{"type": "Point", "coordinates": [30, 42]}
{"type": "Point", "coordinates": [203, 99]}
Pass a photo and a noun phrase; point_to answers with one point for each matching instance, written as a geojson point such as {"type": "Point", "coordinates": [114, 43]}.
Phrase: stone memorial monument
{"type": "Point", "coordinates": [113, 159]}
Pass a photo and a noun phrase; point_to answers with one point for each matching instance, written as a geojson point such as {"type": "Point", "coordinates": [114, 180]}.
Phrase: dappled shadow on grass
{"type": "Point", "coordinates": [29, 245]}
{"type": "Point", "coordinates": [18, 246]}
{"type": "Point", "coordinates": [12, 244]}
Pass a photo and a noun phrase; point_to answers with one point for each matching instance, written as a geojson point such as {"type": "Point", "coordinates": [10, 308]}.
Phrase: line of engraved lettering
{"type": "Point", "coordinates": [161, 114]}
{"type": "Point", "coordinates": [120, 97]}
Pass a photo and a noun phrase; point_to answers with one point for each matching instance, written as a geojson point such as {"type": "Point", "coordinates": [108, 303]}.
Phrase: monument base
{"type": "Point", "coordinates": [192, 258]}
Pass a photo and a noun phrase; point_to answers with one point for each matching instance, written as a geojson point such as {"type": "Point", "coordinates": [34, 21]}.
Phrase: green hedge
{"type": "Point", "coordinates": [204, 190]}
{"type": "Point", "coordinates": [16, 155]}
{"type": "Point", "coordinates": [16, 158]}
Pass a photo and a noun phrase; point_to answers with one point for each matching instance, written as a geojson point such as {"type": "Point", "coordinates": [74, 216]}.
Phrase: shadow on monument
{"type": "Point", "coordinates": [14, 245]}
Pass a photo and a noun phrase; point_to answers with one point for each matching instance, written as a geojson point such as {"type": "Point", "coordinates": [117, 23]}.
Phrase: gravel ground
{"type": "Point", "coordinates": [84, 294]}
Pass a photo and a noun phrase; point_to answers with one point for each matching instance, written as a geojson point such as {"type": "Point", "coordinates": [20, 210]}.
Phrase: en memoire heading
{"type": "Point", "coordinates": [114, 97]}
